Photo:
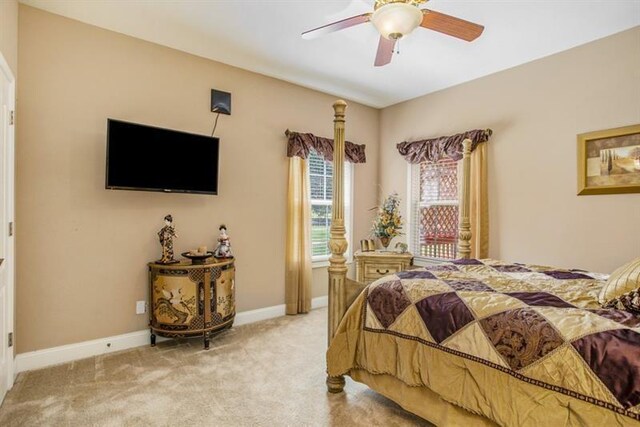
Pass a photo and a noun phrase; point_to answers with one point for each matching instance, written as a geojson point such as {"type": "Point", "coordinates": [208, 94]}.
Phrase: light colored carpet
{"type": "Point", "coordinates": [269, 373]}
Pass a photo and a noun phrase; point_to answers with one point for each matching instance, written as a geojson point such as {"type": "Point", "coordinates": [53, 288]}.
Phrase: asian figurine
{"type": "Point", "coordinates": [223, 250]}
{"type": "Point", "coordinates": [166, 235]}
{"type": "Point", "coordinates": [401, 248]}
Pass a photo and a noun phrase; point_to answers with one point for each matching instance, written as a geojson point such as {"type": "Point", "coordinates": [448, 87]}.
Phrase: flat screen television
{"type": "Point", "coordinates": [148, 158]}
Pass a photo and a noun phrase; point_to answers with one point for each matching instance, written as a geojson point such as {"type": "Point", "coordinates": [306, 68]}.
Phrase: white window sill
{"type": "Point", "coordinates": [320, 263]}
{"type": "Point", "coordinates": [325, 263]}
{"type": "Point", "coordinates": [422, 261]}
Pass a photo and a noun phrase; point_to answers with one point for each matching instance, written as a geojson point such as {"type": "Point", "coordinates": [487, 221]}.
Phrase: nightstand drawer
{"type": "Point", "coordinates": [370, 266]}
{"type": "Point", "coordinates": [377, 270]}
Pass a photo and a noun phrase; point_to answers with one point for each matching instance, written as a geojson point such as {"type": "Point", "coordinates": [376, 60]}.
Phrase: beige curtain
{"type": "Point", "coordinates": [298, 248]}
{"type": "Point", "coordinates": [479, 203]}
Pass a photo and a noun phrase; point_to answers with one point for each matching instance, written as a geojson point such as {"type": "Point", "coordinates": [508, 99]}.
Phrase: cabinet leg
{"type": "Point", "coordinates": [206, 340]}
{"type": "Point", "coordinates": [153, 339]}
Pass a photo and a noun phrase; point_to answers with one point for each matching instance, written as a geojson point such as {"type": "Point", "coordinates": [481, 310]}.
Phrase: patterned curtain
{"type": "Point", "coordinates": [435, 149]}
{"type": "Point", "coordinates": [300, 144]}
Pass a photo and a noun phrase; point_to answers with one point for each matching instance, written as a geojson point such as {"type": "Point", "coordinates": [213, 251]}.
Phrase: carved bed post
{"type": "Point", "coordinates": [464, 234]}
{"type": "Point", "coordinates": [337, 241]}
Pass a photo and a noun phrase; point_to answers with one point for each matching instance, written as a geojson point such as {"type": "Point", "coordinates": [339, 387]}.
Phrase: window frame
{"type": "Point", "coordinates": [414, 204]}
{"type": "Point", "coordinates": [323, 260]}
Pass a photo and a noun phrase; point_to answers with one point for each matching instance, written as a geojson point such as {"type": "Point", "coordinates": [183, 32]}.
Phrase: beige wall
{"type": "Point", "coordinates": [82, 250]}
{"type": "Point", "coordinates": [9, 33]}
{"type": "Point", "coordinates": [536, 110]}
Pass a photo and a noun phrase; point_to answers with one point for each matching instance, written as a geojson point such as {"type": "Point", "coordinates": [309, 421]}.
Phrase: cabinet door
{"type": "Point", "coordinates": [174, 299]}
{"type": "Point", "coordinates": [225, 294]}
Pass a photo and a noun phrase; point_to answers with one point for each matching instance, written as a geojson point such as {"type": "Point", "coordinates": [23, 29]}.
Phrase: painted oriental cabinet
{"type": "Point", "coordinates": [191, 299]}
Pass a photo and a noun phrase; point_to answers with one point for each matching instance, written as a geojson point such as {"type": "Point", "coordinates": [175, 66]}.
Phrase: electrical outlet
{"type": "Point", "coordinates": [141, 307]}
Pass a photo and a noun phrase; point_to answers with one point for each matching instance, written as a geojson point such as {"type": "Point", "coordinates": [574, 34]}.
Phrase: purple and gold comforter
{"type": "Point", "coordinates": [517, 344]}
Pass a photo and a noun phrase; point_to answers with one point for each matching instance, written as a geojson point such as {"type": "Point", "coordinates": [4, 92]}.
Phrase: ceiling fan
{"type": "Point", "coordinates": [395, 19]}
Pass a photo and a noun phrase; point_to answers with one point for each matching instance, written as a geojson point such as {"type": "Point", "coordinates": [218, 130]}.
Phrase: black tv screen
{"type": "Point", "coordinates": [148, 158]}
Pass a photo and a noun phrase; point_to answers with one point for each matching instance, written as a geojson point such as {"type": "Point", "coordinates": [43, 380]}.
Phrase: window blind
{"type": "Point", "coordinates": [321, 194]}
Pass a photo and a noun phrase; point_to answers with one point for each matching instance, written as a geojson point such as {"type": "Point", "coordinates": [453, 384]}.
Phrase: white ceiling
{"type": "Point", "coordinates": [264, 36]}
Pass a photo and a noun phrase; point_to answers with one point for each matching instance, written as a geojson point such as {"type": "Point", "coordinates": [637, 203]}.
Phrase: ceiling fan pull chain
{"type": "Point", "coordinates": [398, 47]}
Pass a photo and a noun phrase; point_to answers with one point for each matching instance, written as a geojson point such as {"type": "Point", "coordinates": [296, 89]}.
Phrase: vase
{"type": "Point", "coordinates": [385, 242]}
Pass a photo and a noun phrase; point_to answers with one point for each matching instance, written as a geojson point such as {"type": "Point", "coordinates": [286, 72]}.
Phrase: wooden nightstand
{"type": "Point", "coordinates": [371, 266]}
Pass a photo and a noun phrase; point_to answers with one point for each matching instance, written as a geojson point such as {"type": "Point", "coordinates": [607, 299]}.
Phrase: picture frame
{"type": "Point", "coordinates": [367, 245]}
{"type": "Point", "coordinates": [609, 161]}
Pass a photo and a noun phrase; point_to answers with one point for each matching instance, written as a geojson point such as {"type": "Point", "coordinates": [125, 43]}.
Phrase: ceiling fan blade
{"type": "Point", "coordinates": [385, 52]}
{"type": "Point", "coordinates": [451, 25]}
{"type": "Point", "coordinates": [336, 26]}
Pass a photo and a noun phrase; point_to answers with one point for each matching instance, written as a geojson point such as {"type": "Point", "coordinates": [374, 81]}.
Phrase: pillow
{"type": "Point", "coordinates": [622, 282]}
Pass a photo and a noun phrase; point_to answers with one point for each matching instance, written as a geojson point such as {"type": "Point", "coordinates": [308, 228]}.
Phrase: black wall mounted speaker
{"type": "Point", "coordinates": [220, 102]}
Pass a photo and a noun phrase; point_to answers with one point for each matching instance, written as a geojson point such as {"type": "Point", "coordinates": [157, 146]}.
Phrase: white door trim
{"type": "Point", "coordinates": [10, 206]}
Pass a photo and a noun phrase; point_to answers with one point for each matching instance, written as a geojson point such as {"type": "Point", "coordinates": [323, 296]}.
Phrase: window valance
{"type": "Point", "coordinates": [301, 143]}
{"type": "Point", "coordinates": [435, 149]}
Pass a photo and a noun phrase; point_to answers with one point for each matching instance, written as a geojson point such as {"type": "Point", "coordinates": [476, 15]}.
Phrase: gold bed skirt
{"type": "Point", "coordinates": [420, 401]}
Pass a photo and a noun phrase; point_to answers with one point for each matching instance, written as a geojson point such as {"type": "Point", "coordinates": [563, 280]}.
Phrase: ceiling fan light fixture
{"type": "Point", "coordinates": [395, 20]}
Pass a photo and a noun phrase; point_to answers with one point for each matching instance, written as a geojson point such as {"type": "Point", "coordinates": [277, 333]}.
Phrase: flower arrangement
{"type": "Point", "coordinates": [388, 223]}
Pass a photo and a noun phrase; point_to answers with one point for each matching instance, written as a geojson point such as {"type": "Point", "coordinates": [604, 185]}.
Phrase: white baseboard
{"type": "Point", "coordinates": [259, 314]}
{"type": "Point", "coordinates": [320, 302]}
{"type": "Point", "coordinates": [66, 353]}
{"type": "Point", "coordinates": [273, 311]}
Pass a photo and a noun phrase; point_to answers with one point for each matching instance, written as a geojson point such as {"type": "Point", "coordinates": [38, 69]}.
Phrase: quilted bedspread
{"type": "Point", "coordinates": [518, 344]}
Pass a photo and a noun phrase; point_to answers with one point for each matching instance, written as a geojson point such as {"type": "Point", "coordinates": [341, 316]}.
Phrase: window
{"type": "Point", "coordinates": [434, 220]}
{"type": "Point", "coordinates": [321, 182]}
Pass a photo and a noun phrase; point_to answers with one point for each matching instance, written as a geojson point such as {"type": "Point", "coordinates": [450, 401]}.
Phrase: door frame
{"type": "Point", "coordinates": [10, 207]}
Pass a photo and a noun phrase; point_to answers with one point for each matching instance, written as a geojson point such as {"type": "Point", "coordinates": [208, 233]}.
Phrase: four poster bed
{"type": "Point", "coordinates": [481, 342]}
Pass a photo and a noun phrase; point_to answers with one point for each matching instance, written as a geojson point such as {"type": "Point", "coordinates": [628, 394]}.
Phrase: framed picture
{"type": "Point", "coordinates": [609, 161]}
{"type": "Point", "coordinates": [367, 245]}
